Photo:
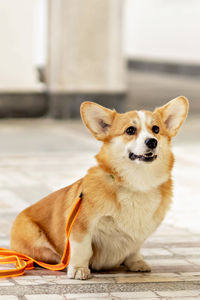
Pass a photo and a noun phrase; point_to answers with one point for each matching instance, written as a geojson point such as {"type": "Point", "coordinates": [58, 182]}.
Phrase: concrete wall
{"type": "Point", "coordinates": [17, 50]}
{"type": "Point", "coordinates": [162, 30]}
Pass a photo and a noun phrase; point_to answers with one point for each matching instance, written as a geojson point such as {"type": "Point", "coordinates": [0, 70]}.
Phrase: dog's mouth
{"type": "Point", "coordinates": [147, 157]}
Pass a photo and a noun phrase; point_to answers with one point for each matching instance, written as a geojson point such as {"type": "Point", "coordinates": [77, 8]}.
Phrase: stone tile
{"type": "Point", "coordinates": [158, 277]}
{"type": "Point", "coordinates": [186, 251]}
{"type": "Point", "coordinates": [195, 261]}
{"type": "Point", "coordinates": [5, 282]}
{"type": "Point", "coordinates": [149, 244]}
{"type": "Point", "coordinates": [176, 268]}
{"type": "Point", "coordinates": [181, 276]}
{"type": "Point", "coordinates": [134, 295]}
{"type": "Point", "coordinates": [183, 293]}
{"type": "Point", "coordinates": [44, 272]}
{"type": "Point", "coordinates": [174, 239]}
{"type": "Point", "coordinates": [2, 235]}
{"type": "Point", "coordinates": [4, 243]}
{"type": "Point", "coordinates": [167, 262]}
{"type": "Point", "coordinates": [6, 221]}
{"type": "Point", "coordinates": [190, 273]}
{"type": "Point", "coordinates": [166, 230]}
{"type": "Point", "coordinates": [49, 277]}
{"type": "Point", "coordinates": [27, 277]}
{"type": "Point", "coordinates": [92, 298]}
{"type": "Point", "coordinates": [8, 297]}
{"type": "Point", "coordinates": [30, 280]}
{"type": "Point", "coordinates": [44, 297]}
{"type": "Point", "coordinates": [62, 279]}
{"type": "Point", "coordinates": [155, 252]}
{"type": "Point", "coordinates": [88, 296]}
{"type": "Point", "coordinates": [149, 278]}
{"type": "Point", "coordinates": [182, 298]}
{"type": "Point", "coordinates": [113, 275]}
{"type": "Point", "coordinates": [93, 280]}
{"type": "Point", "coordinates": [189, 277]}
{"type": "Point", "coordinates": [9, 201]}
{"type": "Point", "coordinates": [151, 298]}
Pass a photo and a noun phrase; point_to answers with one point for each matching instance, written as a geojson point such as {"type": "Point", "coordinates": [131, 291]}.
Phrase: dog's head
{"type": "Point", "coordinates": [136, 144]}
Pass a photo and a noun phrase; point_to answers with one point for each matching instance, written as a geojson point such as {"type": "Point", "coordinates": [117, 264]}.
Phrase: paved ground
{"type": "Point", "coordinates": [40, 156]}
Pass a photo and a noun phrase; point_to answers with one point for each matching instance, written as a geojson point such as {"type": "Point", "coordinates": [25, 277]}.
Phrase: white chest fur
{"type": "Point", "coordinates": [135, 217]}
{"type": "Point", "coordinates": [122, 232]}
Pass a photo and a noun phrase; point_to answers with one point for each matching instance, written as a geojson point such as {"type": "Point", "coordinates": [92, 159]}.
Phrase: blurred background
{"type": "Point", "coordinates": [124, 54]}
{"type": "Point", "coordinates": [127, 54]}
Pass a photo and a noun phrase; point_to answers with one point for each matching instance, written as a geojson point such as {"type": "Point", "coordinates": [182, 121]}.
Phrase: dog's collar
{"type": "Point", "coordinates": [112, 176]}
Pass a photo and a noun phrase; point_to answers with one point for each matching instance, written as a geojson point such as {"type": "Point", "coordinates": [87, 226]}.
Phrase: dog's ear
{"type": "Point", "coordinates": [174, 113]}
{"type": "Point", "coordinates": [97, 119]}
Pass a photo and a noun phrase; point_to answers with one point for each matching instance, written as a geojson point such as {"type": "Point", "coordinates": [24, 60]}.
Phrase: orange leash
{"type": "Point", "coordinates": [24, 262]}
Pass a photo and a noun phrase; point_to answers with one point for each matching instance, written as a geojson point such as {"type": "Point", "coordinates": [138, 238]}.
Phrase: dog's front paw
{"type": "Point", "coordinates": [140, 266]}
{"type": "Point", "coordinates": [78, 273]}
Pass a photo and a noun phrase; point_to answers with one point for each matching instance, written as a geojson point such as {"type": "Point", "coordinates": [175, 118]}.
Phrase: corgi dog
{"type": "Point", "coordinates": [125, 196]}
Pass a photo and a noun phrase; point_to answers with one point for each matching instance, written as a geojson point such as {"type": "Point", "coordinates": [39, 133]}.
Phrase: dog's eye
{"type": "Point", "coordinates": [155, 129]}
{"type": "Point", "coordinates": [131, 130]}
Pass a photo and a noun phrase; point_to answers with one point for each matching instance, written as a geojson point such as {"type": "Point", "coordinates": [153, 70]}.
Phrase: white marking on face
{"type": "Point", "coordinates": [142, 117]}
{"type": "Point", "coordinates": [138, 146]}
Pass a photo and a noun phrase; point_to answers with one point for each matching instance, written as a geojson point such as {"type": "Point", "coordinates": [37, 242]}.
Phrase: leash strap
{"type": "Point", "coordinates": [24, 262]}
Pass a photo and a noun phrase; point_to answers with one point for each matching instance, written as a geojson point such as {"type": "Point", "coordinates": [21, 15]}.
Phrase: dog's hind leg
{"type": "Point", "coordinates": [28, 238]}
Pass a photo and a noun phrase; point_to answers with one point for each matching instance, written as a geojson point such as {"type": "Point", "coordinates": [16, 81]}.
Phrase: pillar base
{"type": "Point", "coordinates": [19, 105]}
{"type": "Point", "coordinates": [64, 106]}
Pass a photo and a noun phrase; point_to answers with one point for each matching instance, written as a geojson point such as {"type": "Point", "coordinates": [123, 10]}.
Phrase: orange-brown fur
{"type": "Point", "coordinates": [39, 231]}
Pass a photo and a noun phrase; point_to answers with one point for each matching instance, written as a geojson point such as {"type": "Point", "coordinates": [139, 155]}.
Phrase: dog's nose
{"type": "Point", "coordinates": [151, 143]}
